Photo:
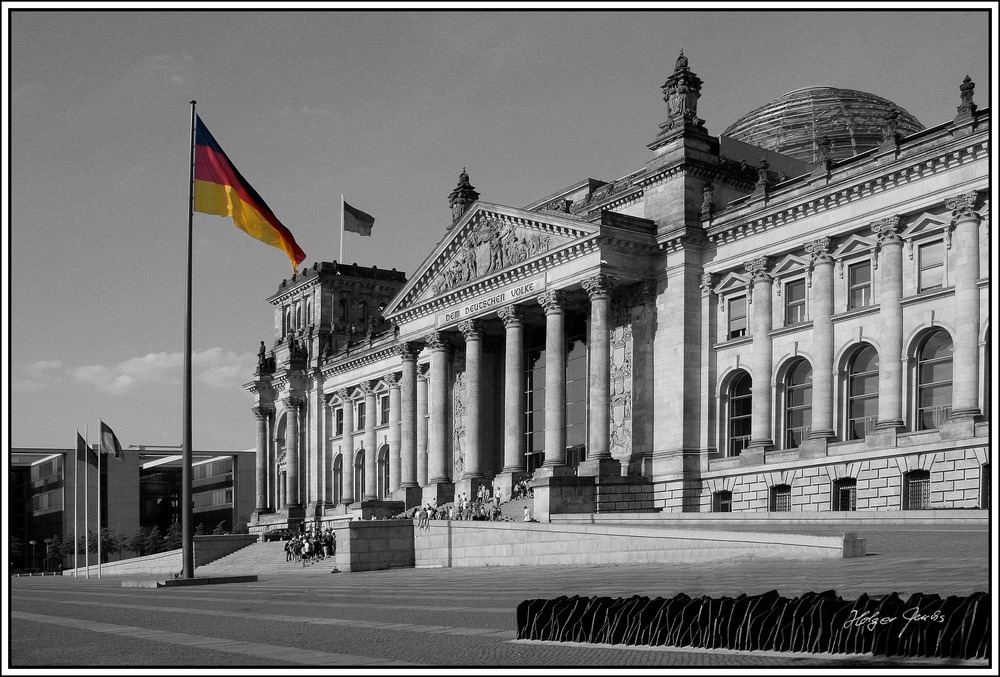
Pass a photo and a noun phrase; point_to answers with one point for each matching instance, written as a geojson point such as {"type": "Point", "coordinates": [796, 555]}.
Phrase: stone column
{"type": "Point", "coordinates": [281, 488]}
{"type": "Point", "coordinates": [513, 389]}
{"type": "Point", "coordinates": [599, 379]}
{"type": "Point", "coordinates": [822, 317]}
{"type": "Point", "coordinates": [262, 415]}
{"type": "Point", "coordinates": [472, 330]}
{"type": "Point", "coordinates": [291, 451]}
{"type": "Point", "coordinates": [760, 354]}
{"type": "Point", "coordinates": [408, 417]}
{"type": "Point", "coordinates": [421, 428]}
{"type": "Point", "coordinates": [890, 323]}
{"type": "Point", "coordinates": [371, 463]}
{"type": "Point", "coordinates": [393, 437]}
{"type": "Point", "coordinates": [554, 303]}
{"type": "Point", "coordinates": [965, 374]}
{"type": "Point", "coordinates": [437, 434]}
{"type": "Point", "coordinates": [347, 449]}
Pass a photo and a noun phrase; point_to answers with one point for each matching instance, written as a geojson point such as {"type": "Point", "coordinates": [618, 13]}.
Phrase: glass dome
{"type": "Point", "coordinates": [795, 123]}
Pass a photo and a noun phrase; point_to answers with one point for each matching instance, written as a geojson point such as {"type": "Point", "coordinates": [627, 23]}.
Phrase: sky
{"type": "Point", "coordinates": [384, 107]}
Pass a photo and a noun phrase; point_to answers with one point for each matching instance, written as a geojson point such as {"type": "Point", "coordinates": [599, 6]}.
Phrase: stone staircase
{"type": "Point", "coordinates": [261, 558]}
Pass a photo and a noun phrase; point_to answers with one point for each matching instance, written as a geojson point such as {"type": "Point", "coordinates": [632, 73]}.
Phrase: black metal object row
{"type": "Point", "coordinates": [922, 625]}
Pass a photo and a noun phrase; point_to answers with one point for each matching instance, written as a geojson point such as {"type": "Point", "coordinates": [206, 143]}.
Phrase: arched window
{"type": "Point", "coordinates": [798, 404]}
{"type": "Point", "coordinates": [342, 314]}
{"type": "Point", "coordinates": [298, 316]}
{"type": "Point", "coordinates": [862, 393]}
{"type": "Point", "coordinates": [362, 312]}
{"type": "Point", "coordinates": [359, 475]}
{"type": "Point", "coordinates": [309, 311]}
{"type": "Point", "coordinates": [845, 494]}
{"type": "Point", "coordinates": [984, 487]}
{"type": "Point", "coordinates": [722, 501]}
{"type": "Point", "coordinates": [338, 479]}
{"type": "Point", "coordinates": [781, 498]}
{"type": "Point", "coordinates": [917, 490]}
{"type": "Point", "coordinates": [740, 413]}
{"type": "Point", "coordinates": [934, 380]}
{"type": "Point", "coordinates": [383, 472]}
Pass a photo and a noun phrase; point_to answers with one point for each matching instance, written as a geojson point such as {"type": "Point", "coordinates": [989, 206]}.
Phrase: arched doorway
{"type": "Point", "coordinates": [382, 490]}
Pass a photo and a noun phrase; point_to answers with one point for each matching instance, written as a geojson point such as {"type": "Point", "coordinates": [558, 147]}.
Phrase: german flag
{"type": "Point", "coordinates": [220, 189]}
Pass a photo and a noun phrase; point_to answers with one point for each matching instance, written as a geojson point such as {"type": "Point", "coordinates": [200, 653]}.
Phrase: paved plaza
{"type": "Point", "coordinates": [412, 618]}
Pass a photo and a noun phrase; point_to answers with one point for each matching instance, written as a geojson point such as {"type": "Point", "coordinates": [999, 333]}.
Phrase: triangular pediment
{"type": "Point", "coordinates": [488, 240]}
{"type": "Point", "coordinates": [788, 265]}
{"type": "Point", "coordinates": [731, 282]}
{"type": "Point", "coordinates": [853, 246]}
{"type": "Point", "coordinates": [926, 223]}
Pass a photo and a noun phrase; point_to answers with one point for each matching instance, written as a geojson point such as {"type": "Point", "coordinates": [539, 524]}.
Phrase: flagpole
{"type": "Point", "coordinates": [76, 503]}
{"type": "Point", "coordinates": [341, 259]}
{"type": "Point", "coordinates": [187, 532]}
{"type": "Point", "coordinates": [99, 454]}
{"type": "Point", "coordinates": [86, 499]}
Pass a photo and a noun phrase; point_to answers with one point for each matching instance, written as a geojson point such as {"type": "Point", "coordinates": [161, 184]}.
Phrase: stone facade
{"type": "Point", "coordinates": [723, 329]}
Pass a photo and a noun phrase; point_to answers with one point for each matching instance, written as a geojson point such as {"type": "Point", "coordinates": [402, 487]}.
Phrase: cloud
{"type": "Point", "coordinates": [38, 375]}
{"type": "Point", "coordinates": [215, 367]}
{"type": "Point", "coordinates": [168, 66]}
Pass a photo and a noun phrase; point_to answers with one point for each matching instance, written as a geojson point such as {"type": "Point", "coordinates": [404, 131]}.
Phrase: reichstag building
{"type": "Point", "coordinates": [789, 316]}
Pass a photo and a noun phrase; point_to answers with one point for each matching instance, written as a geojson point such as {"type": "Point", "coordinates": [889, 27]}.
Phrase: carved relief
{"type": "Point", "coordinates": [490, 246]}
{"type": "Point", "coordinates": [963, 208]}
{"type": "Point", "coordinates": [459, 425]}
{"type": "Point", "coordinates": [621, 379]}
{"type": "Point", "coordinates": [819, 251]}
{"type": "Point", "coordinates": [887, 230]}
{"type": "Point", "coordinates": [757, 267]}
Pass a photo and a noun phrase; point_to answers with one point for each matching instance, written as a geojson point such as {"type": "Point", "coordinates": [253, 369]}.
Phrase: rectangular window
{"type": "Point", "coordinates": [359, 418]}
{"type": "Point", "coordinates": [795, 302]}
{"type": "Point", "coordinates": [722, 501]}
{"type": "Point", "coordinates": [845, 495]}
{"type": "Point", "coordinates": [338, 422]}
{"type": "Point", "coordinates": [931, 261]}
{"type": "Point", "coordinates": [384, 414]}
{"type": "Point", "coordinates": [917, 491]}
{"type": "Point", "coordinates": [859, 281]}
{"type": "Point", "coordinates": [781, 498]}
{"type": "Point", "coordinates": [737, 317]}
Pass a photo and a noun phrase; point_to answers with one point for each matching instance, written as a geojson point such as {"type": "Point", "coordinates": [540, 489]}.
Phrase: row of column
{"type": "Point", "coordinates": [418, 443]}
{"type": "Point", "coordinates": [965, 403]}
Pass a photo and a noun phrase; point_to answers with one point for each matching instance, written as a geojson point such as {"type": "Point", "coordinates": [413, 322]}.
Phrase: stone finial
{"type": "Point", "coordinates": [757, 267]}
{"type": "Point", "coordinates": [967, 109]}
{"type": "Point", "coordinates": [963, 208]}
{"type": "Point", "coordinates": [682, 63]}
{"type": "Point", "coordinates": [462, 197]}
{"type": "Point", "coordinates": [681, 92]}
{"type": "Point", "coordinates": [762, 171]}
{"type": "Point", "coordinates": [512, 315]}
{"type": "Point", "coordinates": [890, 127]}
{"type": "Point", "coordinates": [825, 147]}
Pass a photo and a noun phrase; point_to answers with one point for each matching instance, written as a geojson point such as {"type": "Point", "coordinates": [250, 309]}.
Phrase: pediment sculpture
{"type": "Point", "coordinates": [488, 247]}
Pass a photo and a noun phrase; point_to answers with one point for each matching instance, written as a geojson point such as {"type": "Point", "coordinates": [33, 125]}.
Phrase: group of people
{"type": "Point", "coordinates": [522, 490]}
{"type": "Point", "coordinates": [311, 546]}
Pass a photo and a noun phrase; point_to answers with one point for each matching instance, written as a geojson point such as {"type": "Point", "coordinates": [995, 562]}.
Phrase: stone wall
{"type": "Point", "coordinates": [375, 544]}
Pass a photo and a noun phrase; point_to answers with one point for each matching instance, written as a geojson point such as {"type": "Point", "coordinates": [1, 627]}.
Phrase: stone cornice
{"type": "Point", "coordinates": [360, 359]}
{"type": "Point", "coordinates": [803, 197]}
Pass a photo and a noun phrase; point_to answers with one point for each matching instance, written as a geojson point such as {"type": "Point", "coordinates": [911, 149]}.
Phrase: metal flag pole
{"type": "Point", "coordinates": [100, 450]}
{"type": "Point", "coordinates": [86, 499]}
{"type": "Point", "coordinates": [187, 532]}
{"type": "Point", "coordinates": [76, 503]}
{"type": "Point", "coordinates": [341, 259]}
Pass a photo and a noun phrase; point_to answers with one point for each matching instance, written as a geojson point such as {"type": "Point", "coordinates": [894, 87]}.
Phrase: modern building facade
{"type": "Point", "coordinates": [140, 491]}
{"type": "Point", "coordinates": [792, 316]}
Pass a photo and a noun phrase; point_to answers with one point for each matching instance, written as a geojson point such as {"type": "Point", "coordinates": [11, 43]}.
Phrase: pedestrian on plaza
{"type": "Point", "coordinates": [527, 514]}
{"type": "Point", "coordinates": [497, 495]}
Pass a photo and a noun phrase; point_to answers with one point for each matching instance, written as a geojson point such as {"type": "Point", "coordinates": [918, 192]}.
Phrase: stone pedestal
{"type": "Point", "coordinates": [365, 510]}
{"type": "Point", "coordinates": [882, 437]}
{"type": "Point", "coordinates": [752, 456]}
{"type": "Point", "coordinates": [438, 493]}
{"type": "Point", "coordinates": [562, 494]}
{"type": "Point", "coordinates": [600, 467]}
{"type": "Point", "coordinates": [814, 447]}
{"type": "Point", "coordinates": [409, 496]}
{"type": "Point", "coordinates": [506, 481]}
{"type": "Point", "coordinates": [470, 487]}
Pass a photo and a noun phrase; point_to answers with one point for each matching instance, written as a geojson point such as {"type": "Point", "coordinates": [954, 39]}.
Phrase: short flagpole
{"type": "Point", "coordinates": [86, 500]}
{"type": "Point", "coordinates": [187, 517]}
{"type": "Point", "coordinates": [76, 505]}
{"type": "Point", "coordinates": [341, 259]}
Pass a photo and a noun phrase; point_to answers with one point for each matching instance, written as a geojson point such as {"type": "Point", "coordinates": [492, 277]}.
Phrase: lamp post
{"type": "Point", "coordinates": [33, 544]}
{"type": "Point", "coordinates": [45, 559]}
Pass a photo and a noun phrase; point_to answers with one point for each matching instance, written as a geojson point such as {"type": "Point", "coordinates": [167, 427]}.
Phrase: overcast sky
{"type": "Point", "coordinates": [385, 107]}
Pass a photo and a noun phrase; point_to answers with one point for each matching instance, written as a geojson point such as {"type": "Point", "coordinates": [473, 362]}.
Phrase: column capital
{"type": "Point", "coordinates": [344, 396]}
{"type": "Point", "coordinates": [261, 412]}
{"type": "Point", "coordinates": [707, 283]}
{"type": "Point", "coordinates": [472, 330]}
{"type": "Point", "coordinates": [553, 301]}
{"type": "Point", "coordinates": [963, 208]}
{"type": "Point", "coordinates": [819, 251]}
{"type": "Point", "coordinates": [291, 402]}
{"type": "Point", "coordinates": [600, 286]}
{"type": "Point", "coordinates": [512, 315]}
{"type": "Point", "coordinates": [436, 340]}
{"type": "Point", "coordinates": [887, 230]}
{"type": "Point", "coordinates": [366, 389]}
{"type": "Point", "coordinates": [391, 381]}
{"type": "Point", "coordinates": [423, 376]}
{"type": "Point", "coordinates": [757, 267]}
{"type": "Point", "coordinates": [408, 350]}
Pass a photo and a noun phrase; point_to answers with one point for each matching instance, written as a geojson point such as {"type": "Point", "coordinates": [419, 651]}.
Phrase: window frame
{"type": "Point", "coordinates": [338, 421]}
{"type": "Point", "coordinates": [852, 287]}
{"type": "Point", "coordinates": [722, 501]}
{"type": "Point", "coordinates": [359, 416]}
{"type": "Point", "coordinates": [921, 247]}
{"type": "Point", "coordinates": [788, 409]}
{"type": "Point", "coordinates": [730, 418]}
{"type": "Point", "coordinates": [383, 409]}
{"type": "Point", "coordinates": [850, 398]}
{"type": "Point", "coordinates": [784, 498]}
{"type": "Point", "coordinates": [839, 484]}
{"type": "Point", "coordinates": [941, 412]}
{"type": "Point", "coordinates": [729, 316]}
{"type": "Point", "coordinates": [801, 305]}
{"type": "Point", "coordinates": [916, 493]}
